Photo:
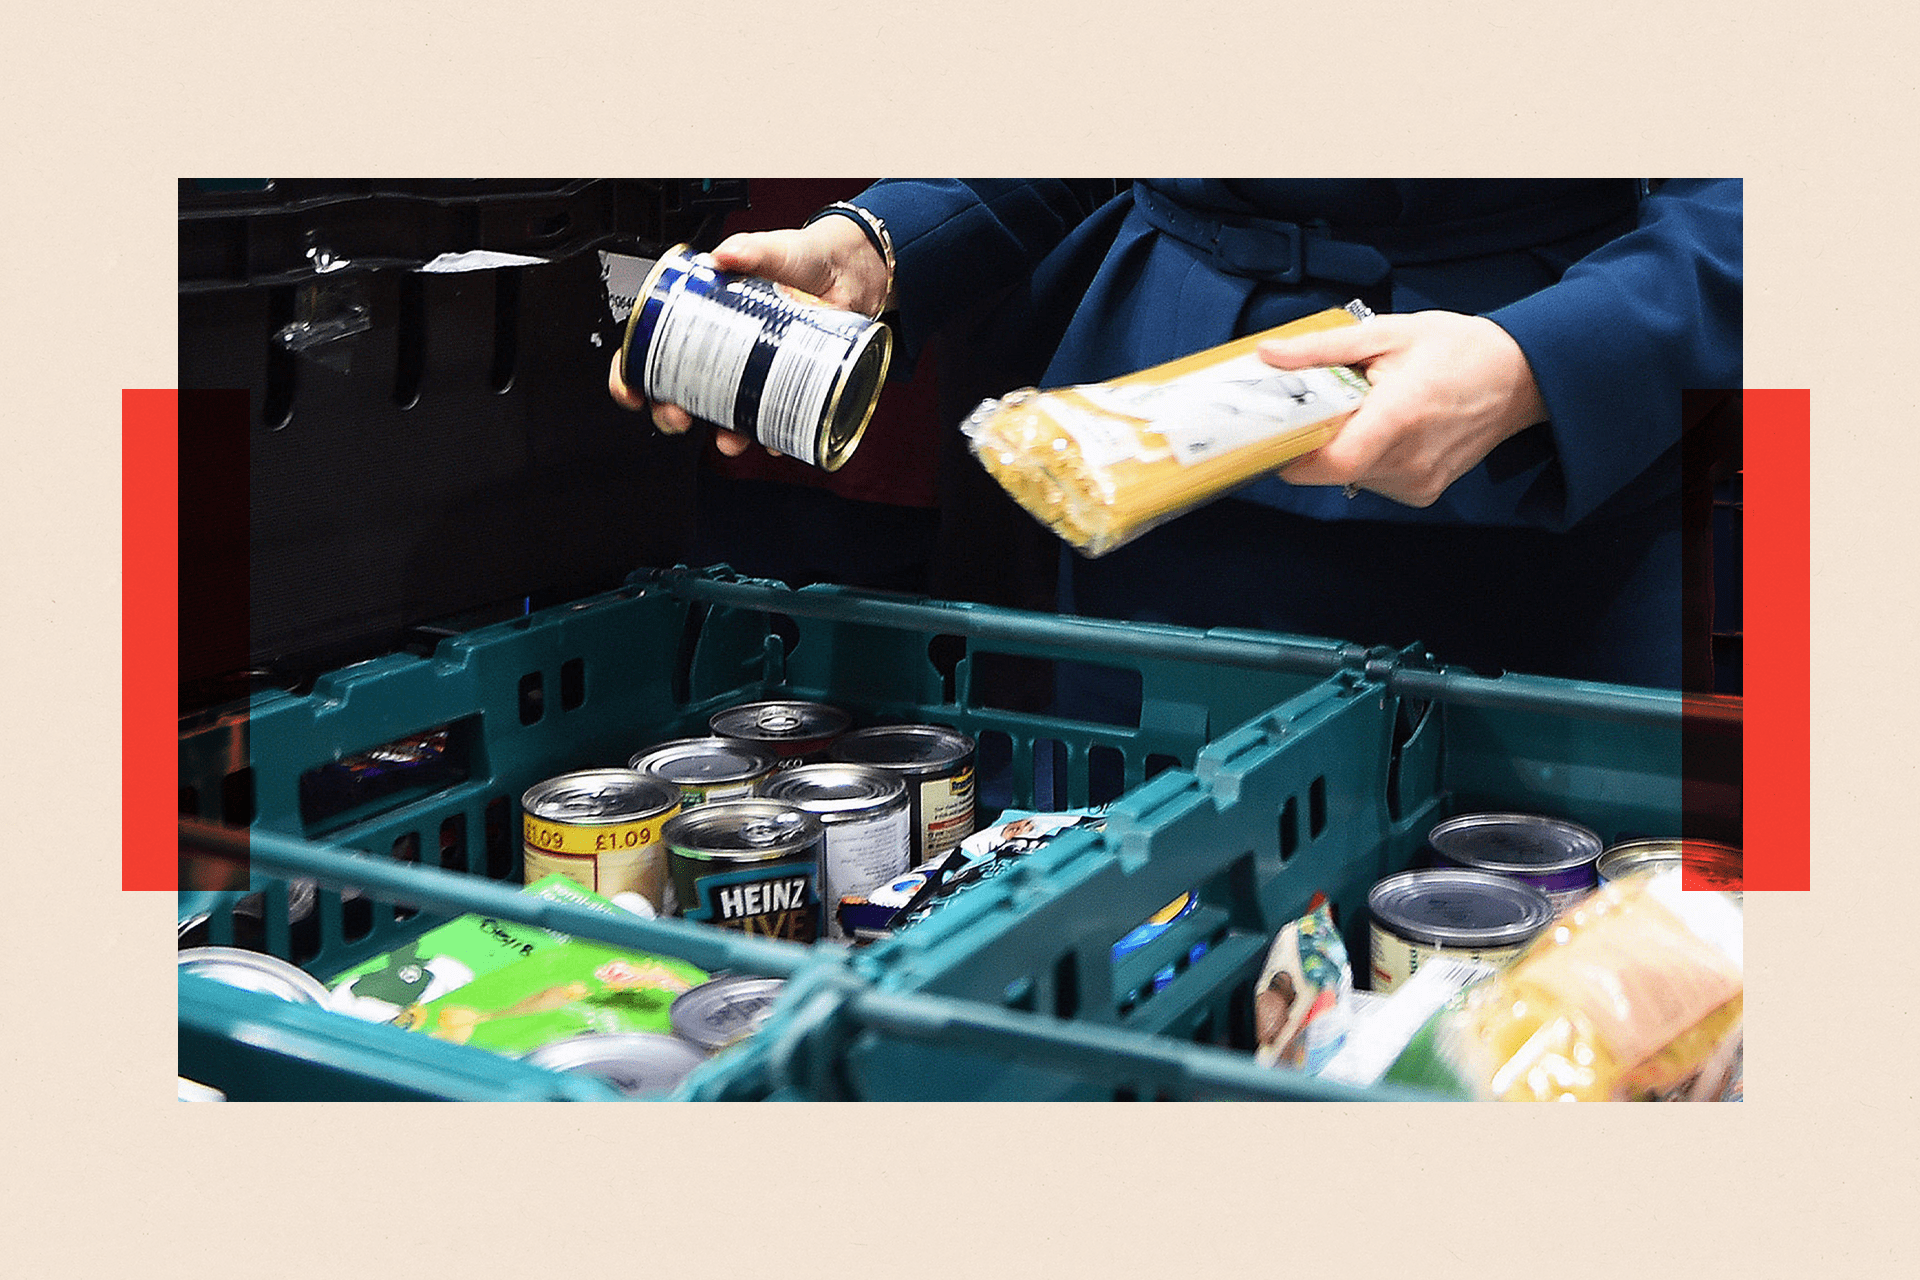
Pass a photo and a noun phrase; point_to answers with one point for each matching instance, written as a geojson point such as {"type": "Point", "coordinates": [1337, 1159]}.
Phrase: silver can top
{"type": "Point", "coordinates": [780, 720]}
{"type": "Point", "coordinates": [1514, 843]}
{"type": "Point", "coordinates": [639, 1064]}
{"type": "Point", "coordinates": [254, 971]}
{"type": "Point", "coordinates": [835, 792]}
{"type": "Point", "coordinates": [716, 1014]}
{"type": "Point", "coordinates": [758, 829]}
{"type": "Point", "coordinates": [701, 762]}
{"type": "Point", "coordinates": [909, 748]}
{"type": "Point", "coordinates": [598, 797]}
{"type": "Point", "coordinates": [1460, 909]}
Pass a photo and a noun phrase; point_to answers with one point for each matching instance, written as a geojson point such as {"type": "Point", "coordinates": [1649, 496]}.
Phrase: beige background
{"type": "Point", "coordinates": [105, 108]}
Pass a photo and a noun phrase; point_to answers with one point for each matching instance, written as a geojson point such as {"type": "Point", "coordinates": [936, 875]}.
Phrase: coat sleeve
{"type": "Point", "coordinates": [1616, 341]}
{"type": "Point", "coordinates": [959, 241]}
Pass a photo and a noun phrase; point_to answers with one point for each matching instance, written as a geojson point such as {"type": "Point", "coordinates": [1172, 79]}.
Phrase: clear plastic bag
{"type": "Point", "coordinates": [1102, 463]}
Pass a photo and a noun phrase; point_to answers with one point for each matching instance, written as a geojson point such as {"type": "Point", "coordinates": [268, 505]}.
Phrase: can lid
{"type": "Point", "coordinates": [637, 1063]}
{"type": "Point", "coordinates": [903, 746]}
{"type": "Point", "coordinates": [254, 971]}
{"type": "Point", "coordinates": [745, 828]}
{"type": "Point", "coordinates": [779, 720]}
{"type": "Point", "coordinates": [1451, 908]}
{"type": "Point", "coordinates": [700, 761]}
{"type": "Point", "coordinates": [715, 1014]}
{"type": "Point", "coordinates": [855, 397]}
{"type": "Point", "coordinates": [596, 797]}
{"type": "Point", "coordinates": [1719, 864]}
{"type": "Point", "coordinates": [1514, 842]}
{"type": "Point", "coordinates": [834, 789]}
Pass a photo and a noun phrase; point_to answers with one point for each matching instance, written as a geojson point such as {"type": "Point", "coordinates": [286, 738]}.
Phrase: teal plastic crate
{"type": "Point", "coordinates": [589, 684]}
{"type": "Point", "coordinates": [1010, 992]}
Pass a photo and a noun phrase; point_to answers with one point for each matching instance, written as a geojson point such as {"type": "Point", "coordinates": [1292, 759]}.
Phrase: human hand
{"type": "Point", "coordinates": [831, 260]}
{"type": "Point", "coordinates": [1447, 388]}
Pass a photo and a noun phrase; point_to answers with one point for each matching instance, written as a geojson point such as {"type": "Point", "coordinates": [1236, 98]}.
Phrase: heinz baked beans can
{"type": "Point", "coordinates": [752, 865]}
{"type": "Point", "coordinates": [937, 765]}
{"type": "Point", "coordinates": [868, 822]}
{"type": "Point", "coordinates": [602, 828]}
{"type": "Point", "coordinates": [1470, 915]}
{"type": "Point", "coordinates": [798, 732]}
{"type": "Point", "coordinates": [1553, 855]}
{"type": "Point", "coordinates": [743, 353]}
{"type": "Point", "coordinates": [707, 769]}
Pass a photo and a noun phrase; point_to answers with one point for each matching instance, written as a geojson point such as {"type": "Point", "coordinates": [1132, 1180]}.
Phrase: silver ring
{"type": "Point", "coordinates": [1352, 491]}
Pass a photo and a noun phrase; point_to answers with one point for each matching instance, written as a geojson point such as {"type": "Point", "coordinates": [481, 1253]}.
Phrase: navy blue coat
{"type": "Point", "coordinates": [1558, 554]}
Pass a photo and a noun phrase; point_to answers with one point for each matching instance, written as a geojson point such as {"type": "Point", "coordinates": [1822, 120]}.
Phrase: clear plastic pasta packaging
{"type": "Point", "coordinates": [1634, 994]}
{"type": "Point", "coordinates": [1102, 463]}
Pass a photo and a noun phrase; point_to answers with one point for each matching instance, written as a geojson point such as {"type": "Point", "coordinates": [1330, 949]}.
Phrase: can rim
{"type": "Point", "coordinates": [699, 1005]}
{"type": "Point", "coordinates": [295, 984]}
{"type": "Point", "coordinates": [756, 760]}
{"type": "Point", "coordinates": [1588, 839]}
{"type": "Point", "coordinates": [665, 796]}
{"type": "Point", "coordinates": [1538, 910]}
{"type": "Point", "coordinates": [888, 791]}
{"type": "Point", "coordinates": [959, 745]}
{"type": "Point", "coordinates": [845, 423]}
{"type": "Point", "coordinates": [687, 824]}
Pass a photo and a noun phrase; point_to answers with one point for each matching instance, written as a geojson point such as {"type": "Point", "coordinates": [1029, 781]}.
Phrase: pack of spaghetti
{"type": "Point", "coordinates": [1102, 463]}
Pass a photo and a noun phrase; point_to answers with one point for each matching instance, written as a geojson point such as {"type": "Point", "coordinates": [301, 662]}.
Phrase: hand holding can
{"type": "Point", "coordinates": [827, 267]}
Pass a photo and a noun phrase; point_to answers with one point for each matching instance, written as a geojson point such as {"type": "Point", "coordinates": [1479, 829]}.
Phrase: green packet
{"type": "Point", "coordinates": [576, 988]}
{"type": "Point", "coordinates": [449, 956]}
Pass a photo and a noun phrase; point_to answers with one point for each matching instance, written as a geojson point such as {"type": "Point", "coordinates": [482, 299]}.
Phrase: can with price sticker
{"type": "Point", "coordinates": [740, 352]}
{"type": "Point", "coordinates": [601, 828]}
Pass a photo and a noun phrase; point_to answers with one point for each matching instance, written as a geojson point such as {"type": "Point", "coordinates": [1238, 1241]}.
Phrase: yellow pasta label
{"type": "Point", "coordinates": [590, 841]}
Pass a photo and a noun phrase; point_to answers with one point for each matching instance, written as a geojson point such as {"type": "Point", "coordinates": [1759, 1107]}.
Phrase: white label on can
{"type": "Point", "coordinates": [1234, 403]}
{"type": "Point", "coordinates": [1395, 959]}
{"type": "Point", "coordinates": [864, 854]}
{"type": "Point", "coordinates": [946, 813]}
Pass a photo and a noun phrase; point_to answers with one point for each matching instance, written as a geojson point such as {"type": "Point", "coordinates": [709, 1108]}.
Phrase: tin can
{"type": "Point", "coordinates": [254, 971]}
{"type": "Point", "coordinates": [1553, 855]}
{"type": "Point", "coordinates": [937, 765]}
{"type": "Point", "coordinates": [640, 1064]}
{"type": "Point", "coordinates": [739, 352]}
{"type": "Point", "coordinates": [1472, 915]}
{"type": "Point", "coordinates": [752, 865]}
{"type": "Point", "coordinates": [1718, 864]}
{"type": "Point", "coordinates": [868, 820]}
{"type": "Point", "coordinates": [707, 769]}
{"type": "Point", "coordinates": [601, 828]}
{"type": "Point", "coordinates": [798, 732]}
{"type": "Point", "coordinates": [724, 1011]}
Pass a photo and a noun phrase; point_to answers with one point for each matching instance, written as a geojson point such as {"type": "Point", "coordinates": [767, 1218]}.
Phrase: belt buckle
{"type": "Point", "coordinates": [1238, 250]}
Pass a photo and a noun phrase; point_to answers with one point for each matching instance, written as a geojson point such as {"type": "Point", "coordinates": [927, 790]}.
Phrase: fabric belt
{"type": "Point", "coordinates": [1290, 252]}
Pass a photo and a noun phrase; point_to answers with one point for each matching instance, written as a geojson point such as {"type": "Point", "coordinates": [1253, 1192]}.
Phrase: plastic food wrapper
{"type": "Point", "coordinates": [448, 957]}
{"type": "Point", "coordinates": [1102, 463]}
{"type": "Point", "coordinates": [1304, 999]}
{"type": "Point", "coordinates": [981, 856]}
{"type": "Point", "coordinates": [572, 989]}
{"type": "Point", "coordinates": [1382, 1025]}
{"type": "Point", "coordinates": [1634, 993]}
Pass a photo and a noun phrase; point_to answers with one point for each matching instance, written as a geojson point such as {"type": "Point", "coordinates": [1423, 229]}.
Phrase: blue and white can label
{"type": "Point", "coordinates": [739, 352]}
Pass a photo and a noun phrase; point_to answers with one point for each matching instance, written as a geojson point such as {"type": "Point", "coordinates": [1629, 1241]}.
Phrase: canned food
{"type": "Point", "coordinates": [600, 828]}
{"type": "Point", "coordinates": [1554, 856]}
{"type": "Point", "coordinates": [752, 865]}
{"type": "Point", "coordinates": [254, 971]}
{"type": "Point", "coordinates": [1718, 865]}
{"type": "Point", "coordinates": [718, 1013]}
{"type": "Point", "coordinates": [868, 820]}
{"type": "Point", "coordinates": [640, 1064]}
{"type": "Point", "coordinates": [938, 766]}
{"type": "Point", "coordinates": [798, 732]}
{"type": "Point", "coordinates": [707, 769]}
{"type": "Point", "coordinates": [1470, 915]}
{"type": "Point", "coordinates": [739, 352]}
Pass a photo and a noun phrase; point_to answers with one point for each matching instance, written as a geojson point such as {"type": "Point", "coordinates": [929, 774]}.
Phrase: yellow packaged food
{"type": "Point", "coordinates": [1102, 463]}
{"type": "Point", "coordinates": [1635, 992]}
